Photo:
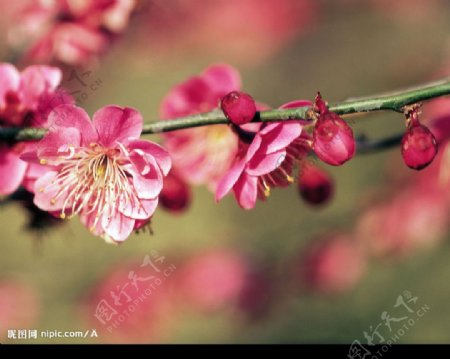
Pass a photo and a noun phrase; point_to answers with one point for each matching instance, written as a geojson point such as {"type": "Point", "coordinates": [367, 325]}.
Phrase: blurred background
{"type": "Point", "coordinates": [285, 272]}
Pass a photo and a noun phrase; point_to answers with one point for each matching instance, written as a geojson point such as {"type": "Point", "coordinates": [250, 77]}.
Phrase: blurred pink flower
{"type": "Point", "coordinates": [315, 185]}
{"type": "Point", "coordinates": [258, 293]}
{"type": "Point", "coordinates": [212, 279]}
{"type": "Point", "coordinates": [201, 155]}
{"type": "Point", "coordinates": [243, 30]}
{"type": "Point", "coordinates": [100, 169]}
{"type": "Point", "coordinates": [26, 98]}
{"type": "Point", "coordinates": [70, 31]}
{"type": "Point", "coordinates": [176, 194]}
{"type": "Point", "coordinates": [330, 265]}
{"type": "Point", "coordinates": [415, 218]}
{"type": "Point", "coordinates": [139, 305]}
{"type": "Point", "coordinates": [224, 279]}
{"type": "Point", "coordinates": [19, 307]}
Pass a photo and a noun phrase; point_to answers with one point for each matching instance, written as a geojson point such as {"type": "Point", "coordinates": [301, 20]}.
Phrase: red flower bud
{"type": "Point", "coordinates": [176, 194]}
{"type": "Point", "coordinates": [315, 185]}
{"type": "Point", "coordinates": [239, 107]}
{"type": "Point", "coordinates": [333, 140]}
{"type": "Point", "coordinates": [419, 146]}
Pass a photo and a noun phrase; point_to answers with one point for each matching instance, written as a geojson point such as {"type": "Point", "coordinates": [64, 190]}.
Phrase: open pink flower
{"type": "Point", "coordinates": [70, 31]}
{"type": "Point", "coordinates": [26, 98]}
{"type": "Point", "coordinates": [100, 169]}
{"type": "Point", "coordinates": [265, 163]}
{"type": "Point", "coordinates": [201, 155]}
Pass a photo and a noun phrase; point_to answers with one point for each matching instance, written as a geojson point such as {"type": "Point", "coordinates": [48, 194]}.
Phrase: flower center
{"type": "Point", "coordinates": [92, 180]}
{"type": "Point", "coordinates": [281, 176]}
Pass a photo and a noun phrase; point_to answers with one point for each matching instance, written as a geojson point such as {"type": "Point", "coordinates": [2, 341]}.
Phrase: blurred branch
{"type": "Point", "coordinates": [394, 101]}
{"type": "Point", "coordinates": [366, 146]}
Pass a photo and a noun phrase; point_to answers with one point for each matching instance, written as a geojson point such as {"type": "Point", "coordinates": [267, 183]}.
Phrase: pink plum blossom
{"type": "Point", "coordinates": [100, 170]}
{"type": "Point", "coordinates": [70, 31]}
{"type": "Point", "coordinates": [201, 155]}
{"type": "Point", "coordinates": [266, 161]}
{"type": "Point", "coordinates": [26, 98]}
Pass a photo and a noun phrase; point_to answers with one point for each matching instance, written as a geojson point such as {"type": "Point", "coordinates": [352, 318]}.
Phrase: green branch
{"type": "Point", "coordinates": [394, 101]}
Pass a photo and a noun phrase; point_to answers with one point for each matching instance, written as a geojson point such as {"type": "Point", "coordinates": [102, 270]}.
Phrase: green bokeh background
{"type": "Point", "coordinates": [351, 51]}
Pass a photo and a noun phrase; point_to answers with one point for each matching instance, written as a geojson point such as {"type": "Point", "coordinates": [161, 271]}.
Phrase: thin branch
{"type": "Point", "coordinates": [366, 146]}
{"type": "Point", "coordinates": [393, 101]}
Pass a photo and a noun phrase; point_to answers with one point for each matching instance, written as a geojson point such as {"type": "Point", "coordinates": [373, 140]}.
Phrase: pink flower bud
{"type": "Point", "coordinates": [419, 147]}
{"type": "Point", "coordinates": [315, 185]}
{"type": "Point", "coordinates": [176, 194]}
{"type": "Point", "coordinates": [239, 107]}
{"type": "Point", "coordinates": [333, 140]}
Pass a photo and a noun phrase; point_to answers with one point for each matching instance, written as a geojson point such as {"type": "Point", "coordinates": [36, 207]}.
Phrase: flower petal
{"type": "Point", "coordinates": [117, 226]}
{"type": "Point", "coordinates": [279, 135]}
{"type": "Point", "coordinates": [89, 221]}
{"type": "Point", "coordinates": [10, 80]}
{"type": "Point", "coordinates": [117, 124]}
{"type": "Point", "coordinates": [266, 163]}
{"type": "Point", "coordinates": [73, 116]}
{"type": "Point", "coordinates": [12, 170]}
{"type": "Point", "coordinates": [147, 177]}
{"type": "Point", "coordinates": [254, 147]}
{"type": "Point", "coordinates": [187, 98]}
{"type": "Point", "coordinates": [55, 144]}
{"type": "Point", "coordinates": [45, 193]}
{"type": "Point", "coordinates": [52, 76]}
{"type": "Point", "coordinates": [34, 172]}
{"type": "Point", "coordinates": [246, 191]}
{"type": "Point", "coordinates": [222, 79]}
{"type": "Point", "coordinates": [138, 208]}
{"type": "Point", "coordinates": [229, 180]}
{"type": "Point", "coordinates": [36, 81]}
{"type": "Point", "coordinates": [159, 153]}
